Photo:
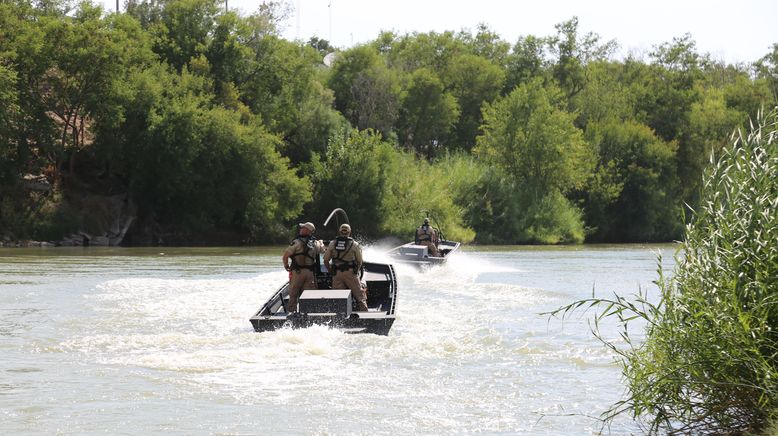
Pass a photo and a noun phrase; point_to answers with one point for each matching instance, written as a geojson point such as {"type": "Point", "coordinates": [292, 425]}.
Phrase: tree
{"type": "Point", "coordinates": [348, 67]}
{"type": "Point", "coordinates": [710, 125]}
{"type": "Point", "coordinates": [572, 53]}
{"type": "Point", "coordinates": [742, 92]}
{"type": "Point", "coordinates": [227, 56]}
{"type": "Point", "coordinates": [531, 137]}
{"type": "Point", "coordinates": [192, 166]}
{"type": "Point", "coordinates": [425, 50]}
{"type": "Point", "coordinates": [375, 93]}
{"type": "Point", "coordinates": [321, 45]}
{"type": "Point", "coordinates": [416, 188]}
{"type": "Point", "coordinates": [488, 45]}
{"type": "Point", "coordinates": [147, 12]}
{"type": "Point", "coordinates": [634, 195]}
{"type": "Point", "coordinates": [473, 81]}
{"type": "Point", "coordinates": [353, 176]}
{"type": "Point", "coordinates": [73, 68]}
{"type": "Point", "coordinates": [605, 97]}
{"type": "Point", "coordinates": [9, 111]}
{"type": "Point", "coordinates": [536, 147]}
{"type": "Point", "coordinates": [526, 62]}
{"type": "Point", "coordinates": [428, 114]}
{"type": "Point", "coordinates": [669, 88]}
{"type": "Point", "coordinates": [767, 69]}
{"type": "Point", "coordinates": [281, 86]}
{"type": "Point", "coordinates": [184, 30]}
{"type": "Point", "coordinates": [317, 122]}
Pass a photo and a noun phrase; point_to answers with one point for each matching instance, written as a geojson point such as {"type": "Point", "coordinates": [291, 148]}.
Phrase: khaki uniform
{"type": "Point", "coordinates": [303, 255]}
{"type": "Point", "coordinates": [428, 237]}
{"type": "Point", "coordinates": [347, 261]}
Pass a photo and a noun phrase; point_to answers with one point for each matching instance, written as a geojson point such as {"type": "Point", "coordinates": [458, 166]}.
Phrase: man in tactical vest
{"type": "Point", "coordinates": [427, 236]}
{"type": "Point", "coordinates": [304, 252]}
{"type": "Point", "coordinates": [346, 257]}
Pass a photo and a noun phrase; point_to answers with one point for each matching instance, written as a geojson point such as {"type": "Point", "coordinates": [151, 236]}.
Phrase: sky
{"type": "Point", "coordinates": [732, 31]}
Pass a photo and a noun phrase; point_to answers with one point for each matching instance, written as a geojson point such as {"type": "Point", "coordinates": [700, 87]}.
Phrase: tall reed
{"type": "Point", "coordinates": [709, 360]}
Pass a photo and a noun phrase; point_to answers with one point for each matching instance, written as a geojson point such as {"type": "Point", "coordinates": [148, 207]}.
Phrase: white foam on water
{"type": "Point", "coordinates": [458, 349]}
{"type": "Point", "coordinates": [200, 325]}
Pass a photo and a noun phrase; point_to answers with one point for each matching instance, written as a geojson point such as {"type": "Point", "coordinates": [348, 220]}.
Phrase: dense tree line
{"type": "Point", "coordinates": [211, 124]}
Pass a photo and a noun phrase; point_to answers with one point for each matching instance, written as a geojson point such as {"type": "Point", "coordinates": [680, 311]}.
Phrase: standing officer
{"type": "Point", "coordinates": [346, 257]}
{"type": "Point", "coordinates": [304, 250]}
{"type": "Point", "coordinates": [427, 236]}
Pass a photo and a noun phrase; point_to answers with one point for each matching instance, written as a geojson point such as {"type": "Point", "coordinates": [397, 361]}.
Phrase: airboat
{"type": "Point", "coordinates": [418, 254]}
{"type": "Point", "coordinates": [335, 307]}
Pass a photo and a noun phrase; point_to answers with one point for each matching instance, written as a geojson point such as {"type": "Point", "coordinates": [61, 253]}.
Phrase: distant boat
{"type": "Point", "coordinates": [333, 307]}
{"type": "Point", "coordinates": [418, 255]}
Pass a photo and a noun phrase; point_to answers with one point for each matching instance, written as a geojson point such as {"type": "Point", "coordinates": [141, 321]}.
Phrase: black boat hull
{"type": "Point", "coordinates": [378, 326]}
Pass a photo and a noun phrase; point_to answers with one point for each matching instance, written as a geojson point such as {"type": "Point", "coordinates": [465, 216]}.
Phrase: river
{"type": "Point", "coordinates": [157, 340]}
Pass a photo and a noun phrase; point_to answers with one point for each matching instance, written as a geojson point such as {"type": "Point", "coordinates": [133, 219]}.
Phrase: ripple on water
{"type": "Point", "coordinates": [468, 352]}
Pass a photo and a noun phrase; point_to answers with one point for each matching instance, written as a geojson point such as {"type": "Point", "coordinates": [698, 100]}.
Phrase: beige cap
{"type": "Point", "coordinates": [308, 226]}
{"type": "Point", "coordinates": [345, 228]}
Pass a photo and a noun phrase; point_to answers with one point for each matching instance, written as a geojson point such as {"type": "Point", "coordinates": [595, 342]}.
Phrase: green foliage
{"type": "Point", "coordinates": [541, 156]}
{"type": "Point", "coordinates": [572, 53]}
{"type": "Point", "coordinates": [9, 110]}
{"type": "Point", "coordinates": [142, 103]}
{"type": "Point", "coordinates": [385, 191]}
{"type": "Point", "coordinates": [708, 363]}
{"type": "Point", "coordinates": [183, 30]}
{"type": "Point", "coordinates": [533, 139]}
{"type": "Point", "coordinates": [487, 196]}
{"type": "Point", "coordinates": [414, 189]}
{"type": "Point", "coordinates": [634, 194]}
{"type": "Point", "coordinates": [500, 211]}
{"type": "Point", "coordinates": [317, 122]}
{"type": "Point", "coordinates": [9, 162]}
{"type": "Point", "coordinates": [741, 92]}
{"type": "Point", "coordinates": [526, 62]}
{"type": "Point", "coordinates": [487, 44]}
{"type": "Point", "coordinates": [605, 97]}
{"type": "Point", "coordinates": [767, 69]}
{"type": "Point", "coordinates": [711, 122]}
{"type": "Point", "coordinates": [376, 96]}
{"type": "Point", "coordinates": [227, 56]}
{"type": "Point", "coordinates": [282, 87]}
{"type": "Point", "coordinates": [321, 45]}
{"type": "Point", "coordinates": [198, 166]}
{"type": "Point", "coordinates": [432, 50]}
{"type": "Point", "coordinates": [473, 81]}
{"type": "Point", "coordinates": [348, 67]}
{"type": "Point", "coordinates": [669, 89]}
{"type": "Point", "coordinates": [428, 114]}
{"type": "Point", "coordinates": [353, 176]}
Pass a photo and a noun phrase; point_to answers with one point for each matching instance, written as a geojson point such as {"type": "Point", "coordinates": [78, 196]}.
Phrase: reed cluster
{"type": "Point", "coordinates": [708, 362]}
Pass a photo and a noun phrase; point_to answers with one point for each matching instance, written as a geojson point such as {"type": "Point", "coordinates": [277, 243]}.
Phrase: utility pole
{"type": "Point", "coordinates": [117, 6]}
{"type": "Point", "coordinates": [226, 8]}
